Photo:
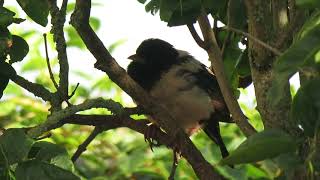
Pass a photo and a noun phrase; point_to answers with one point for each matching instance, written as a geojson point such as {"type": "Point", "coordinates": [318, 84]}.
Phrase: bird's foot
{"type": "Point", "coordinates": [149, 135]}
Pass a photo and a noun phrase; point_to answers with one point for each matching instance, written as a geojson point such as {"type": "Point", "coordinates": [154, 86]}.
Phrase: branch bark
{"type": "Point", "coordinates": [58, 18]}
{"type": "Point", "coordinates": [215, 57]}
{"type": "Point", "coordinates": [260, 23]}
{"type": "Point", "coordinates": [105, 62]}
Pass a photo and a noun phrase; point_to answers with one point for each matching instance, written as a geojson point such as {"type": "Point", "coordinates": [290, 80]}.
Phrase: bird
{"type": "Point", "coordinates": [187, 88]}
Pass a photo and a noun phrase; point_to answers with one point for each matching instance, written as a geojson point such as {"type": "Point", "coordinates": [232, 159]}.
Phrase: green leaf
{"type": "Point", "coordinates": [308, 3]}
{"type": "Point", "coordinates": [167, 7]}
{"type": "Point", "coordinates": [263, 145]}
{"type": "Point", "coordinates": [187, 12]}
{"type": "Point", "coordinates": [238, 16]}
{"type": "Point", "coordinates": [311, 23]}
{"type": "Point", "coordinates": [51, 153]}
{"type": "Point", "coordinates": [142, 1]}
{"type": "Point", "coordinates": [95, 23]}
{"type": "Point", "coordinates": [305, 109]}
{"type": "Point", "coordinates": [6, 17]}
{"type": "Point", "coordinates": [37, 10]}
{"type": "Point", "coordinates": [15, 145]}
{"type": "Point", "coordinates": [18, 50]}
{"type": "Point", "coordinates": [300, 54]}
{"type": "Point", "coordinates": [34, 169]}
{"type": "Point", "coordinates": [153, 6]}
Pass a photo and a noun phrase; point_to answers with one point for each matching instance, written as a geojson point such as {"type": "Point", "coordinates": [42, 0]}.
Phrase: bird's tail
{"type": "Point", "coordinates": [212, 129]}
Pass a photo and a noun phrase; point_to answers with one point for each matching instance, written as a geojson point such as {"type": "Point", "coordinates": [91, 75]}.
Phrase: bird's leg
{"type": "Point", "coordinates": [175, 162]}
{"type": "Point", "coordinates": [149, 135]}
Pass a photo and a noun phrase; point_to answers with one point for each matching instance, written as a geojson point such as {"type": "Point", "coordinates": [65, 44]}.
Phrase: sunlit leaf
{"type": "Point", "coordinates": [37, 10]}
{"type": "Point", "coordinates": [95, 23]}
{"type": "Point", "coordinates": [305, 109]}
{"type": "Point", "coordinates": [35, 169]}
{"type": "Point", "coordinates": [19, 49]}
{"type": "Point", "coordinates": [17, 151]}
{"type": "Point", "coordinates": [260, 146]}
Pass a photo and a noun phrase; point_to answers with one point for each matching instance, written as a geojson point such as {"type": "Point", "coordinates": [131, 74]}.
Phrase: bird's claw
{"type": "Point", "coordinates": [149, 135]}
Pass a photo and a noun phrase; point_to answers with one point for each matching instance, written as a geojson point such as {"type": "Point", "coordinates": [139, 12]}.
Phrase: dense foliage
{"type": "Point", "coordinates": [286, 151]}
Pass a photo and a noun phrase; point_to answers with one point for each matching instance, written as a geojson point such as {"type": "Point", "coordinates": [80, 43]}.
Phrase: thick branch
{"type": "Point", "coordinates": [218, 67]}
{"type": "Point", "coordinates": [106, 63]}
{"type": "Point", "coordinates": [58, 19]}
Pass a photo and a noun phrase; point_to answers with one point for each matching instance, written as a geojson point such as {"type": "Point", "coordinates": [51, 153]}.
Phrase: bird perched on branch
{"type": "Point", "coordinates": [185, 86]}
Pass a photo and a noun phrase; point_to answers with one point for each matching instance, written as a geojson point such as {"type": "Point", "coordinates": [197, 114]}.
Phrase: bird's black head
{"type": "Point", "coordinates": [155, 52]}
{"type": "Point", "coordinates": [152, 58]}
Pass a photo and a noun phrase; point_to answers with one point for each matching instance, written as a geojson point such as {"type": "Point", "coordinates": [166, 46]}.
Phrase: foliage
{"type": "Point", "coordinates": [122, 153]}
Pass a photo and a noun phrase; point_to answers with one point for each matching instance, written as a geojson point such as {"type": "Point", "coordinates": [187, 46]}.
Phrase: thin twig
{"type": "Point", "coordinates": [74, 91]}
{"type": "Point", "coordinates": [256, 40]}
{"type": "Point", "coordinates": [83, 147]}
{"type": "Point", "coordinates": [217, 63]}
{"type": "Point", "coordinates": [226, 39]}
{"type": "Point", "coordinates": [48, 62]}
{"type": "Point", "coordinates": [196, 36]}
{"type": "Point", "coordinates": [175, 162]}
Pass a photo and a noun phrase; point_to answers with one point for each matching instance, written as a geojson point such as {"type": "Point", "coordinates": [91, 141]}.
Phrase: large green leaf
{"type": "Point", "coordinates": [167, 7]}
{"type": "Point", "coordinates": [51, 153]}
{"type": "Point", "coordinates": [308, 3]}
{"type": "Point", "coordinates": [300, 54]}
{"type": "Point", "coordinates": [34, 169]}
{"type": "Point", "coordinates": [305, 110]}
{"type": "Point", "coordinates": [19, 49]}
{"type": "Point", "coordinates": [37, 10]}
{"type": "Point", "coordinates": [263, 145]}
{"type": "Point", "coordinates": [238, 16]}
{"type": "Point", "coordinates": [6, 17]}
{"type": "Point", "coordinates": [15, 145]}
{"type": "Point", "coordinates": [186, 12]}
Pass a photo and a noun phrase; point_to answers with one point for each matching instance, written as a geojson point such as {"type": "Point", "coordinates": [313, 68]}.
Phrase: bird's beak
{"type": "Point", "coordinates": [136, 58]}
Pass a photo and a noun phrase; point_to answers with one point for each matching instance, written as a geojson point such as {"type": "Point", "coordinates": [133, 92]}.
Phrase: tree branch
{"type": "Point", "coordinates": [218, 67]}
{"type": "Point", "coordinates": [55, 117]}
{"type": "Point", "coordinates": [83, 147]}
{"type": "Point", "coordinates": [196, 36]}
{"type": "Point", "coordinates": [256, 40]}
{"type": "Point", "coordinates": [58, 19]}
{"type": "Point", "coordinates": [36, 89]}
{"type": "Point", "coordinates": [105, 62]}
{"type": "Point", "coordinates": [48, 62]}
